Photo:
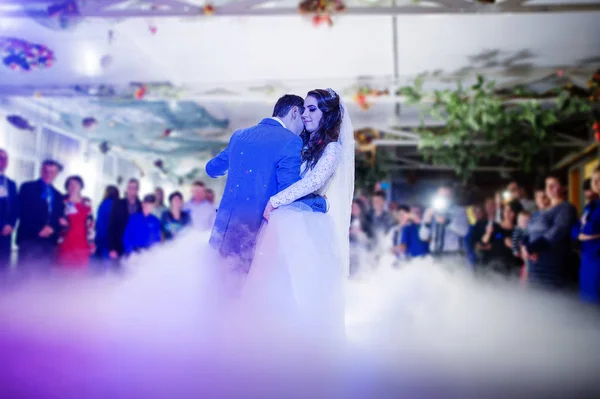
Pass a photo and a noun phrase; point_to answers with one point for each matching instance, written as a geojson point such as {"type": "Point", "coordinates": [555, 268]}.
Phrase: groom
{"type": "Point", "coordinates": [260, 161]}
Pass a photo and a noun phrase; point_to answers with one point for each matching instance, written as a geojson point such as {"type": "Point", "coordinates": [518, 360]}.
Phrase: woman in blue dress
{"type": "Point", "coordinates": [589, 235]}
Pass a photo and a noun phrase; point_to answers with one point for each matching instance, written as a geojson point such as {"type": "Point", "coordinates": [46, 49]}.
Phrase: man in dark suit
{"type": "Point", "coordinates": [119, 216]}
{"type": "Point", "coordinates": [41, 206]}
{"type": "Point", "coordinates": [9, 211]}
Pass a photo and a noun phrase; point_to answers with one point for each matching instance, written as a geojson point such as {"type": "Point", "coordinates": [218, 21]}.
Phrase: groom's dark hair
{"type": "Point", "coordinates": [286, 103]}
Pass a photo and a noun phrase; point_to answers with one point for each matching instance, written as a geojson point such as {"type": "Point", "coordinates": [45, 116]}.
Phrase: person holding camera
{"type": "Point", "coordinates": [445, 226]}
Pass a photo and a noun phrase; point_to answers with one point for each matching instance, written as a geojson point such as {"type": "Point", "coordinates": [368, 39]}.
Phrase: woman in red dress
{"type": "Point", "coordinates": [74, 248]}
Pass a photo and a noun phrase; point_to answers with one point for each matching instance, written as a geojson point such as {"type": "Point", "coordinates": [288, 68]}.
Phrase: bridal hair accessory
{"type": "Point", "coordinates": [332, 93]}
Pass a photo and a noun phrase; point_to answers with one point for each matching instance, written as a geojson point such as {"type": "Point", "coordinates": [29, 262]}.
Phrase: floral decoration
{"type": "Point", "coordinates": [363, 93]}
{"type": "Point", "coordinates": [365, 142]}
{"type": "Point", "coordinates": [321, 10]}
{"type": "Point", "coordinates": [20, 55]}
{"type": "Point", "coordinates": [208, 9]}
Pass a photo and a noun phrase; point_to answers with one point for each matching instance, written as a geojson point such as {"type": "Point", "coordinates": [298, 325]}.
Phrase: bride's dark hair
{"type": "Point", "coordinates": [329, 127]}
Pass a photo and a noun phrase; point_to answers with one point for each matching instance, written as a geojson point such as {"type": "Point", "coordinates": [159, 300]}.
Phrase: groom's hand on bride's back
{"type": "Point", "coordinates": [316, 202]}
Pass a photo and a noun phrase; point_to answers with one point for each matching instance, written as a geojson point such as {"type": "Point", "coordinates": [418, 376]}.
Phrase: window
{"type": "Point", "coordinates": [22, 142]}
{"type": "Point", "coordinates": [108, 166]}
{"type": "Point", "coordinates": [127, 169]}
{"type": "Point", "coordinates": [21, 170]}
{"type": "Point", "coordinates": [47, 142]}
{"type": "Point", "coordinates": [66, 150]}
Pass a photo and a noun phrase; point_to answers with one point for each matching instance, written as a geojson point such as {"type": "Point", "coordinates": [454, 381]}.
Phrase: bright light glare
{"type": "Point", "coordinates": [440, 203]}
{"type": "Point", "coordinates": [88, 170]}
{"type": "Point", "coordinates": [506, 195]}
{"type": "Point", "coordinates": [89, 64]}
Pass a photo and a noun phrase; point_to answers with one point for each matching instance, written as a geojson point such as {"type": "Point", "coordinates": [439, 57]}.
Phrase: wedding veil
{"type": "Point", "coordinates": [341, 190]}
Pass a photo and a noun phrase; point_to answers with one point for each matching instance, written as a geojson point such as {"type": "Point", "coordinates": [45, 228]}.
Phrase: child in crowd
{"type": "Point", "coordinates": [402, 216]}
{"type": "Point", "coordinates": [392, 253]}
{"type": "Point", "coordinates": [519, 240]}
{"type": "Point", "coordinates": [143, 228]}
{"type": "Point", "coordinates": [413, 246]}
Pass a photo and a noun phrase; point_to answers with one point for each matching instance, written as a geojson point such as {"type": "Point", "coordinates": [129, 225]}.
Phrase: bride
{"type": "Point", "coordinates": [302, 257]}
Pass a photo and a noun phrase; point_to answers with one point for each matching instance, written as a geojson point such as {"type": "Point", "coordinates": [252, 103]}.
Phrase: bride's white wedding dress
{"type": "Point", "coordinates": [298, 271]}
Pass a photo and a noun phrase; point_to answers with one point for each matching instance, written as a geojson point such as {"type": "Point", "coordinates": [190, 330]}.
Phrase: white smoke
{"type": "Point", "coordinates": [161, 329]}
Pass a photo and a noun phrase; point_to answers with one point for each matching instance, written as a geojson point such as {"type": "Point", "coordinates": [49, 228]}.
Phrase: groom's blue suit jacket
{"type": "Point", "coordinates": [260, 161]}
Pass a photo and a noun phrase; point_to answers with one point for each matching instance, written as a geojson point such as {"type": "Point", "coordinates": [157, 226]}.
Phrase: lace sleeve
{"type": "Point", "coordinates": [313, 180]}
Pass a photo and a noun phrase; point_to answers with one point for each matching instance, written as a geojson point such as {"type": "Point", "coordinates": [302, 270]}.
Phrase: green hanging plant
{"type": "Point", "coordinates": [480, 123]}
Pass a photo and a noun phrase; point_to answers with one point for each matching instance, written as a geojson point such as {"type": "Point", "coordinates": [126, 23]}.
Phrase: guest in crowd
{"type": "Point", "coordinates": [200, 209]}
{"type": "Point", "coordinates": [482, 251]}
{"type": "Point", "coordinates": [210, 196]}
{"type": "Point", "coordinates": [476, 233]}
{"type": "Point", "coordinates": [143, 228]}
{"type": "Point", "coordinates": [588, 191]}
{"type": "Point", "coordinates": [175, 218]}
{"type": "Point", "coordinates": [159, 207]}
{"type": "Point", "coordinates": [589, 236]}
{"type": "Point", "coordinates": [380, 222]}
{"type": "Point", "coordinates": [87, 201]}
{"type": "Point", "coordinates": [542, 202]}
{"type": "Point", "coordinates": [499, 236]}
{"type": "Point", "coordinates": [520, 239]}
{"type": "Point", "coordinates": [365, 202]}
{"type": "Point", "coordinates": [360, 237]}
{"type": "Point", "coordinates": [395, 236]}
{"type": "Point", "coordinates": [412, 244]}
{"type": "Point", "coordinates": [9, 212]}
{"type": "Point", "coordinates": [40, 209]}
{"type": "Point", "coordinates": [393, 207]}
{"type": "Point", "coordinates": [111, 196]}
{"type": "Point", "coordinates": [445, 226]}
{"type": "Point", "coordinates": [74, 249]}
{"type": "Point", "coordinates": [119, 216]}
{"type": "Point", "coordinates": [380, 219]}
{"type": "Point", "coordinates": [517, 192]}
{"type": "Point", "coordinates": [549, 247]}
{"type": "Point", "coordinates": [588, 196]}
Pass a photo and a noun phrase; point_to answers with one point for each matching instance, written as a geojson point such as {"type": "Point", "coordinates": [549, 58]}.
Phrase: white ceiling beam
{"type": "Point", "coordinates": [568, 139]}
{"type": "Point", "coordinates": [358, 11]}
{"type": "Point", "coordinates": [98, 6]}
{"type": "Point", "coordinates": [176, 5]}
{"type": "Point", "coordinates": [453, 3]}
{"type": "Point", "coordinates": [408, 161]}
{"type": "Point", "coordinates": [242, 5]}
{"type": "Point", "coordinates": [513, 3]}
{"type": "Point", "coordinates": [395, 143]}
{"type": "Point", "coordinates": [398, 132]}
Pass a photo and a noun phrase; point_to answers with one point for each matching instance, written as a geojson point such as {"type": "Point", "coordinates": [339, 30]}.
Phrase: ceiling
{"type": "Point", "coordinates": [206, 75]}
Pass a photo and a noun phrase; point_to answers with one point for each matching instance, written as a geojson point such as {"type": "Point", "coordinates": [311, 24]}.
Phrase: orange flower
{"type": "Point", "coordinates": [209, 9]}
